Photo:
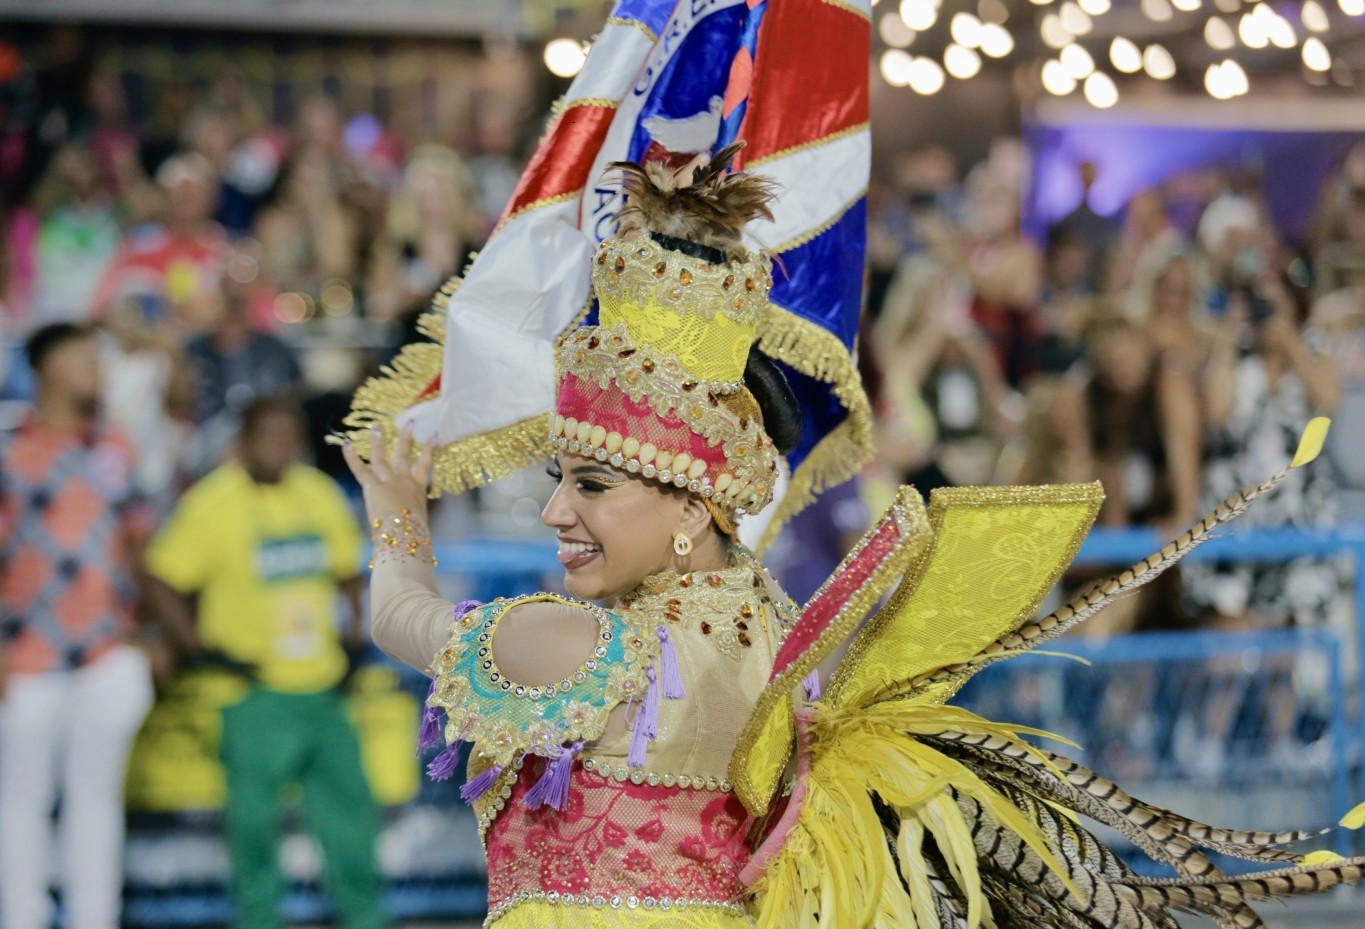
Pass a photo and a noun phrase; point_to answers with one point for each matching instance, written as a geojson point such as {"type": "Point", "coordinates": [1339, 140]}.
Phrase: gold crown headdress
{"type": "Point", "coordinates": [657, 386]}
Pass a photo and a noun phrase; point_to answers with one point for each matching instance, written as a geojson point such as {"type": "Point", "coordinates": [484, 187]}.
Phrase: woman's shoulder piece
{"type": "Point", "coordinates": [477, 619]}
{"type": "Point", "coordinates": [504, 717]}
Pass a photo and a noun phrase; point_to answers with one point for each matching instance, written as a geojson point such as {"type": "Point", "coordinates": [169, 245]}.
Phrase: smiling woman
{"type": "Point", "coordinates": [621, 718]}
{"type": "Point", "coordinates": [615, 529]}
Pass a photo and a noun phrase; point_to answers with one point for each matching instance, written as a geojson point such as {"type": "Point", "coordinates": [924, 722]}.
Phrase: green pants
{"type": "Point", "coordinates": [273, 738]}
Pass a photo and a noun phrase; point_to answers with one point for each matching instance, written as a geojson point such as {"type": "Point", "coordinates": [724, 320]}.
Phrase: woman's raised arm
{"type": "Point", "coordinates": [536, 643]}
{"type": "Point", "coordinates": [409, 619]}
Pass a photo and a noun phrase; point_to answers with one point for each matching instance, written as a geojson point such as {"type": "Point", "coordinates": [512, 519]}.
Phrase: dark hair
{"type": "Point", "coordinates": [781, 410]}
{"type": "Point", "coordinates": [51, 337]}
{"type": "Point", "coordinates": [261, 408]}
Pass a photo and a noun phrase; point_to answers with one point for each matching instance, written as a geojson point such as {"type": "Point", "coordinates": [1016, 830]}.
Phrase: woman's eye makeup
{"type": "Point", "coordinates": [588, 483]}
{"type": "Point", "coordinates": [596, 485]}
{"type": "Point", "coordinates": [595, 482]}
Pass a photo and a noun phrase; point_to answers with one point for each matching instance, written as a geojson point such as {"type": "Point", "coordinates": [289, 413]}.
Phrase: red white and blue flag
{"type": "Point", "coordinates": [668, 79]}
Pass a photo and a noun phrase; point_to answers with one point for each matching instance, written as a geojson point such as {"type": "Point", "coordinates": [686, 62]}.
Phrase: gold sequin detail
{"type": "Point", "coordinates": [400, 538]}
{"type": "Point", "coordinates": [688, 285]}
{"type": "Point", "coordinates": [726, 606]}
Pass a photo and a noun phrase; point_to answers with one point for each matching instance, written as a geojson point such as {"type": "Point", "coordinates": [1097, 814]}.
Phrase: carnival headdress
{"type": "Point", "coordinates": [663, 83]}
{"type": "Point", "coordinates": [657, 386]}
{"type": "Point", "coordinates": [664, 384]}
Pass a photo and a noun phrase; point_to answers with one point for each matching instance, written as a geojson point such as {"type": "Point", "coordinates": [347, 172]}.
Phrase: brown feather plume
{"type": "Point", "coordinates": [699, 202]}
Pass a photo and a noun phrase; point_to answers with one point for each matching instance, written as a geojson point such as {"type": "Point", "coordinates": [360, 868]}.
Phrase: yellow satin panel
{"type": "Point", "coordinates": [996, 553]}
{"type": "Point", "coordinates": [713, 349]}
{"type": "Point", "coordinates": [550, 916]}
{"type": "Point", "coordinates": [759, 765]}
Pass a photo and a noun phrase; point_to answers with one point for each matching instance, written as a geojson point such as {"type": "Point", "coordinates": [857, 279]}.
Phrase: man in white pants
{"type": "Point", "coordinates": [73, 690]}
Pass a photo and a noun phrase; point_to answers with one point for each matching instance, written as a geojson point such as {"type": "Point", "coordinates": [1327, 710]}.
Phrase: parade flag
{"type": "Point", "coordinates": [665, 80]}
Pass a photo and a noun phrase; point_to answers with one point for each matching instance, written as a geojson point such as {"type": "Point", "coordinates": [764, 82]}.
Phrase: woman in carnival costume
{"type": "Point", "coordinates": [656, 749]}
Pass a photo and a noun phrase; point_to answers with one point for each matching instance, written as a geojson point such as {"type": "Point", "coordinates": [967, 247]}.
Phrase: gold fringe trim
{"type": "Point", "coordinates": [604, 102]}
{"type": "Point", "coordinates": [622, 21]}
{"type": "Point", "coordinates": [489, 456]}
{"type": "Point", "coordinates": [537, 205]}
{"type": "Point", "coordinates": [818, 353]}
{"type": "Point", "coordinates": [466, 463]}
{"type": "Point", "coordinates": [850, 8]}
{"type": "Point", "coordinates": [561, 105]}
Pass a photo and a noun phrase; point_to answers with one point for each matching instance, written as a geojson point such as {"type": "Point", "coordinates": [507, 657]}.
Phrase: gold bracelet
{"type": "Point", "coordinates": [400, 538]}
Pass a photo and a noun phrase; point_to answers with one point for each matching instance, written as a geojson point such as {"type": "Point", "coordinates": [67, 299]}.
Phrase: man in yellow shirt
{"type": "Point", "coordinates": [258, 552]}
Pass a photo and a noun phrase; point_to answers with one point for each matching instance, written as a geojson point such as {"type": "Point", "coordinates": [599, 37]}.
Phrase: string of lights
{"type": "Point", "coordinates": [1070, 37]}
{"type": "Point", "coordinates": [1093, 46]}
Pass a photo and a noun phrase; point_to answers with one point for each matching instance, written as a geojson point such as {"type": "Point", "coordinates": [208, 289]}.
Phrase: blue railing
{"type": "Point", "coordinates": [1271, 546]}
{"type": "Point", "coordinates": [1216, 725]}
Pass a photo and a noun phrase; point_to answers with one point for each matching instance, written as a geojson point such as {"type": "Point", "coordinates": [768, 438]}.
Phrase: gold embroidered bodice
{"type": "Point", "coordinates": [726, 627]}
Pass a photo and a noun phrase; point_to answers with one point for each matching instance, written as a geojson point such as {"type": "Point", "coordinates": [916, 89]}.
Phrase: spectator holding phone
{"type": "Point", "coordinates": [1265, 382]}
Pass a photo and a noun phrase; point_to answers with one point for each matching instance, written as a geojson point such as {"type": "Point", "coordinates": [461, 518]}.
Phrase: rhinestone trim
{"type": "Point", "coordinates": [496, 677]}
{"type": "Point", "coordinates": [615, 902]}
{"type": "Point", "coordinates": [604, 768]}
{"type": "Point", "coordinates": [499, 802]}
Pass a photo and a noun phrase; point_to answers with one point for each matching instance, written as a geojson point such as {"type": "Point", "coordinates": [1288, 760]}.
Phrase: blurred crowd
{"type": "Point", "coordinates": [210, 245]}
{"type": "Point", "coordinates": [1173, 352]}
{"type": "Point", "coordinates": [187, 305]}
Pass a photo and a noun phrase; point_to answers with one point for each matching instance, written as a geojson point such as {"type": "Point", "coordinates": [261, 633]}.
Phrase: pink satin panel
{"type": "Point", "coordinates": [817, 615]}
{"type": "Point", "coordinates": [615, 412]}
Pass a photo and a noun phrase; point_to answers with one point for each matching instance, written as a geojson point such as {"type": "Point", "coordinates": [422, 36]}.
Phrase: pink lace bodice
{"type": "Point", "coordinates": [619, 845]}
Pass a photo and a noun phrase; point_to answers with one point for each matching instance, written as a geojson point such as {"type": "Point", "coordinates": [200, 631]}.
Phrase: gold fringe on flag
{"type": "Point", "coordinates": [473, 461]}
{"type": "Point", "coordinates": [818, 353]}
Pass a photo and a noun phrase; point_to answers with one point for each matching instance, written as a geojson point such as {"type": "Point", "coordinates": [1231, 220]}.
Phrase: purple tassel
{"type": "Point", "coordinates": [429, 736]}
{"type": "Point", "coordinates": [473, 790]}
{"type": "Point", "coordinates": [552, 789]}
{"type": "Point", "coordinates": [672, 676]}
{"type": "Point", "coordinates": [646, 723]}
{"type": "Point", "coordinates": [442, 767]}
{"type": "Point", "coordinates": [812, 685]}
{"type": "Point", "coordinates": [649, 709]}
{"type": "Point", "coordinates": [639, 744]}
